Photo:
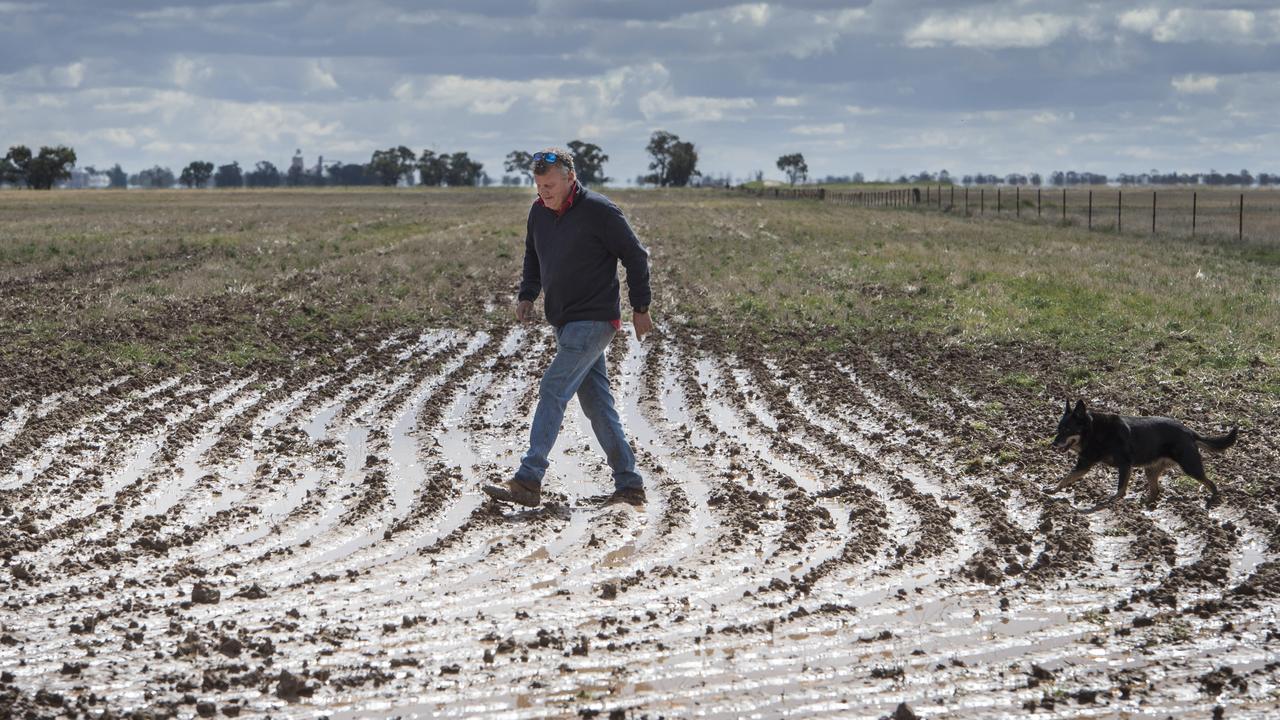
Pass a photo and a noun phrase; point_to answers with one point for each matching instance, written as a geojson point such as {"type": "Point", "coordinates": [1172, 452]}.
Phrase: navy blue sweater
{"type": "Point", "coordinates": [574, 258]}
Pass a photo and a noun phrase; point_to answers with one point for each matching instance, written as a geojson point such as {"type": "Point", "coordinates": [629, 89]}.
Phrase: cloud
{"type": "Point", "coordinates": [1047, 117]}
{"type": "Point", "coordinates": [828, 129]}
{"type": "Point", "coordinates": [1186, 25]}
{"type": "Point", "coordinates": [188, 70]}
{"type": "Point", "coordinates": [1195, 84]}
{"type": "Point", "coordinates": [989, 31]}
{"type": "Point", "coordinates": [319, 76]}
{"type": "Point", "coordinates": [783, 101]}
{"type": "Point", "coordinates": [481, 96]}
{"type": "Point", "coordinates": [69, 76]}
{"type": "Point", "coordinates": [665, 104]}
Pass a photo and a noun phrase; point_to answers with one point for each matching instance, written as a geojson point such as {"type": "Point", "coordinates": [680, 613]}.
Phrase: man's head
{"type": "Point", "coordinates": [554, 176]}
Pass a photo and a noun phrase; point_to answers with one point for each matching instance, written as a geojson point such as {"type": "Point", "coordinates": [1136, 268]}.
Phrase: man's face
{"type": "Point", "coordinates": [554, 186]}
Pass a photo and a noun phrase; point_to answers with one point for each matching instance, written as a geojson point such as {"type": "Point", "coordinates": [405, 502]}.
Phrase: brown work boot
{"type": "Point", "coordinates": [513, 491]}
{"type": "Point", "coordinates": [633, 496]}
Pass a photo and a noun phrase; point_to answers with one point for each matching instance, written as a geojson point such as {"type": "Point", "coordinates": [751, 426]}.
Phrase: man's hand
{"type": "Point", "coordinates": [524, 311]}
{"type": "Point", "coordinates": [642, 323]}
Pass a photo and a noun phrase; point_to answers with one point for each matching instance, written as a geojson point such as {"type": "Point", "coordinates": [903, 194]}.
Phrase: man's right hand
{"type": "Point", "coordinates": [524, 311]}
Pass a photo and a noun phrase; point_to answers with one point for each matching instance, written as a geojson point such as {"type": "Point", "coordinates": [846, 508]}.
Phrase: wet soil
{"type": "Point", "coordinates": [862, 531]}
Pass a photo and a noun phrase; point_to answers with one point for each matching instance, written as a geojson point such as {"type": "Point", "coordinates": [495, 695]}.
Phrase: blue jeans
{"type": "Point", "coordinates": [578, 367]}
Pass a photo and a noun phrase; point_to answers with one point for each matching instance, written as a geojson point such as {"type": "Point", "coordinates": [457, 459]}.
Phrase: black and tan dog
{"type": "Point", "coordinates": [1126, 443]}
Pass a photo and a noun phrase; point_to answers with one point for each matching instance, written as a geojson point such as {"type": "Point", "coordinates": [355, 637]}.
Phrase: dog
{"type": "Point", "coordinates": [1154, 444]}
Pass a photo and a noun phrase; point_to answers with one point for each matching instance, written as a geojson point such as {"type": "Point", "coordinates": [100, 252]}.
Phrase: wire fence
{"type": "Point", "coordinates": [1175, 211]}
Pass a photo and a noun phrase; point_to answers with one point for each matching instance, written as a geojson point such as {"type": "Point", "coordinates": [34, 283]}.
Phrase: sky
{"type": "Point", "coordinates": [880, 88]}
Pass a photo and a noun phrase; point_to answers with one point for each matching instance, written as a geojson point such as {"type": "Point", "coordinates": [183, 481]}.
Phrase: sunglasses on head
{"type": "Point", "coordinates": [549, 158]}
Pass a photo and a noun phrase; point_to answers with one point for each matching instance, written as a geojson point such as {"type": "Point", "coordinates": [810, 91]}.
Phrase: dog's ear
{"type": "Point", "coordinates": [1066, 406]}
{"type": "Point", "coordinates": [1080, 410]}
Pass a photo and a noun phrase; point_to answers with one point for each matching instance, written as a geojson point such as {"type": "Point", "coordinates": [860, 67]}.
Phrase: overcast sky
{"type": "Point", "coordinates": [881, 88]}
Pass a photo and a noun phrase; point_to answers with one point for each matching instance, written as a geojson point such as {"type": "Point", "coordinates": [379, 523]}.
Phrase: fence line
{"type": "Point", "coordinates": [1265, 222]}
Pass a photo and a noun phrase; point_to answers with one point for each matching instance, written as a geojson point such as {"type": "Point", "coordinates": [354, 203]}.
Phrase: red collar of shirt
{"type": "Point", "coordinates": [568, 202]}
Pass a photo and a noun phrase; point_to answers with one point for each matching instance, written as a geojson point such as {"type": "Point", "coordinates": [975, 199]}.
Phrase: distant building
{"type": "Point", "coordinates": [86, 178]}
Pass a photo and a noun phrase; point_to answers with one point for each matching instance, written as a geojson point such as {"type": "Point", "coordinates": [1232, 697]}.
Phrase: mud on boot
{"type": "Point", "coordinates": [630, 496]}
{"type": "Point", "coordinates": [513, 491]}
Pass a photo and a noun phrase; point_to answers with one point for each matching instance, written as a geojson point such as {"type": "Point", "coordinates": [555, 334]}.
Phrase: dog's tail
{"type": "Point", "coordinates": [1220, 443]}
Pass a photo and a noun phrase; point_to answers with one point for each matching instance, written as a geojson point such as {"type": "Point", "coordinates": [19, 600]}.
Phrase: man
{"type": "Point", "coordinates": [572, 246]}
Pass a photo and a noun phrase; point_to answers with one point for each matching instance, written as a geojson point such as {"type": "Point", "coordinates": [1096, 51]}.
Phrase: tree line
{"type": "Point", "coordinates": [673, 164]}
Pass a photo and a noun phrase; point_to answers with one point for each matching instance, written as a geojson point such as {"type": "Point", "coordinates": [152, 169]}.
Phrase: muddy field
{"type": "Point", "coordinates": [857, 531]}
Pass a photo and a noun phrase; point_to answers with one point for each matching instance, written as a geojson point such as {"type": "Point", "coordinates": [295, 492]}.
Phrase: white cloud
{"type": "Point", "coordinates": [70, 76]}
{"type": "Point", "coordinates": [783, 101]}
{"type": "Point", "coordinates": [860, 110]}
{"type": "Point", "coordinates": [1196, 84]}
{"type": "Point", "coordinates": [186, 70]}
{"type": "Point", "coordinates": [756, 14]}
{"type": "Point", "coordinates": [1047, 117]}
{"type": "Point", "coordinates": [989, 31]}
{"type": "Point", "coordinates": [828, 129]}
{"type": "Point", "coordinates": [480, 96]}
{"type": "Point", "coordinates": [664, 103]}
{"type": "Point", "coordinates": [1183, 25]}
{"type": "Point", "coordinates": [319, 77]}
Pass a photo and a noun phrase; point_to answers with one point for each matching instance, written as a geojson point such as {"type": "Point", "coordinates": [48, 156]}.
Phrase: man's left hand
{"type": "Point", "coordinates": [642, 323]}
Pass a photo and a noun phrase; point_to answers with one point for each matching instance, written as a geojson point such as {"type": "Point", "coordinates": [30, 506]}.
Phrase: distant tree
{"type": "Point", "coordinates": [463, 171]}
{"type": "Point", "coordinates": [794, 166]}
{"type": "Point", "coordinates": [392, 164]}
{"type": "Point", "coordinates": [517, 161]}
{"type": "Point", "coordinates": [588, 162]}
{"type": "Point", "coordinates": [296, 176]}
{"type": "Point", "coordinates": [264, 174]}
{"type": "Point", "coordinates": [433, 168]}
{"type": "Point", "coordinates": [9, 174]}
{"type": "Point", "coordinates": [1036, 180]}
{"type": "Point", "coordinates": [674, 161]}
{"type": "Point", "coordinates": [349, 174]}
{"type": "Point", "coordinates": [196, 174]}
{"type": "Point", "coordinates": [117, 178]}
{"type": "Point", "coordinates": [17, 165]}
{"type": "Point", "coordinates": [156, 178]}
{"type": "Point", "coordinates": [229, 176]}
{"type": "Point", "coordinates": [509, 180]}
{"type": "Point", "coordinates": [40, 171]}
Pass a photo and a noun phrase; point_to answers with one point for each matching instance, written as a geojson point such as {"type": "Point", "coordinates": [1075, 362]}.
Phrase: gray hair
{"type": "Point", "coordinates": [564, 161]}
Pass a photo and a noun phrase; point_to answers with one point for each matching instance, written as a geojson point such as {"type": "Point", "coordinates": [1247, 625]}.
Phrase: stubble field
{"type": "Point", "coordinates": [242, 437]}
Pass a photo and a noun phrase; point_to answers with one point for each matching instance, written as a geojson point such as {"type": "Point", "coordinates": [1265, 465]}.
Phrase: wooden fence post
{"type": "Point", "coordinates": [1240, 232]}
{"type": "Point", "coordinates": [1064, 205]}
{"type": "Point", "coordinates": [1038, 203]}
{"type": "Point", "coordinates": [953, 195]}
{"type": "Point", "coordinates": [1153, 212]}
{"type": "Point", "coordinates": [982, 201]}
{"type": "Point", "coordinates": [1193, 214]}
{"type": "Point", "coordinates": [1090, 209]}
{"type": "Point", "coordinates": [1017, 201]}
{"type": "Point", "coordinates": [997, 199]}
{"type": "Point", "coordinates": [966, 200]}
{"type": "Point", "coordinates": [1119, 209]}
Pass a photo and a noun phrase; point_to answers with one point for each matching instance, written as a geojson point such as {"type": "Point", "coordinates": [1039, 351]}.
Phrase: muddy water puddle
{"type": "Point", "coordinates": [345, 541]}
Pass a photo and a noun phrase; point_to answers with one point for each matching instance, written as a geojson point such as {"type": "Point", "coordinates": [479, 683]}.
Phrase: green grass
{"type": "Point", "coordinates": [808, 275]}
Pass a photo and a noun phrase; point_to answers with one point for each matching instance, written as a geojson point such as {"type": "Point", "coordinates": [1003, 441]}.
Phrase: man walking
{"type": "Point", "coordinates": [574, 241]}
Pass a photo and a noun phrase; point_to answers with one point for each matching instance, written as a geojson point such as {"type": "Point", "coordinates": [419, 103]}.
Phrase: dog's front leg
{"type": "Point", "coordinates": [1071, 478]}
{"type": "Point", "coordinates": [1121, 489]}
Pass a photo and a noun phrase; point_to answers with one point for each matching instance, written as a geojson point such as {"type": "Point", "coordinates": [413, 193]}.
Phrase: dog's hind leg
{"type": "Point", "coordinates": [1152, 495]}
{"type": "Point", "coordinates": [1121, 488]}
{"type": "Point", "coordinates": [1193, 465]}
